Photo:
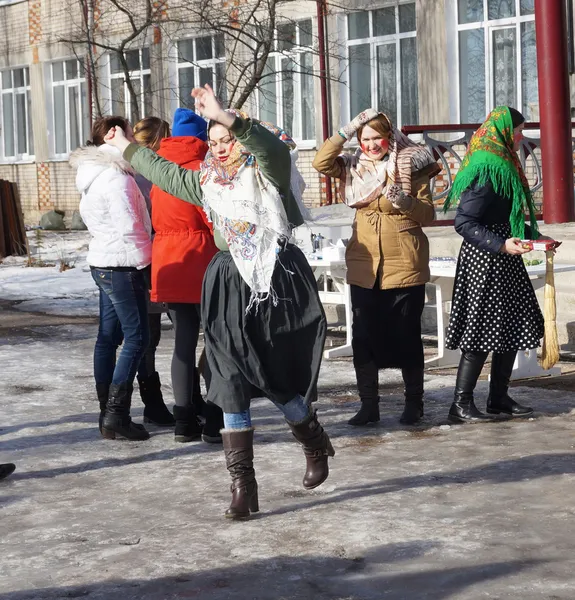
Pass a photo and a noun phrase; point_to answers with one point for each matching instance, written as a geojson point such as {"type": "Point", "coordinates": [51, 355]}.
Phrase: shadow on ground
{"type": "Point", "coordinates": [374, 575]}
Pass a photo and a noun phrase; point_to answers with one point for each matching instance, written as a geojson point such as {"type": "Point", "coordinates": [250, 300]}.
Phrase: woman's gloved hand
{"type": "Point", "coordinates": [398, 198]}
{"type": "Point", "coordinates": [348, 131]}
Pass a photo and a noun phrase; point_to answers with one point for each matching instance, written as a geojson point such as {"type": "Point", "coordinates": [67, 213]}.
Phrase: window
{"type": "Point", "coordinates": [70, 106]}
{"type": "Point", "coordinates": [382, 55]}
{"type": "Point", "coordinates": [497, 57]}
{"type": "Point", "coordinates": [286, 92]}
{"type": "Point", "coordinates": [17, 141]}
{"type": "Point", "coordinates": [200, 61]}
{"type": "Point", "coordinates": [138, 62]}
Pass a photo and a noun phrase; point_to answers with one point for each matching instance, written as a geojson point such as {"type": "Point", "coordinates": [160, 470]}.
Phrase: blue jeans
{"type": "Point", "coordinates": [295, 411]}
{"type": "Point", "coordinates": [123, 317]}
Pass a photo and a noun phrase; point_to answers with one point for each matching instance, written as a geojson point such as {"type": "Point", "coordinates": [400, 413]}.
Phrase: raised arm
{"type": "Point", "coordinates": [272, 154]}
{"type": "Point", "coordinates": [167, 175]}
{"type": "Point", "coordinates": [328, 160]}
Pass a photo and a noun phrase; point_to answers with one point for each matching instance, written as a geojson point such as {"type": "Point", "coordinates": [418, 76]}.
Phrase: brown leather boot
{"type": "Point", "coordinates": [316, 447]}
{"type": "Point", "coordinates": [239, 451]}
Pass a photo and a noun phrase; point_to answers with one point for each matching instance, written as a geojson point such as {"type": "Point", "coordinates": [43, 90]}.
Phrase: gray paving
{"type": "Point", "coordinates": [432, 512]}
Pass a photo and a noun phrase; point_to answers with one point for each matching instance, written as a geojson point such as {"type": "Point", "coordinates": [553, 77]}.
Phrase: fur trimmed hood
{"type": "Point", "coordinates": [91, 161]}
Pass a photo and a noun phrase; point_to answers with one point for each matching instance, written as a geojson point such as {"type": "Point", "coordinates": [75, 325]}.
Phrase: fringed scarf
{"type": "Point", "coordinates": [248, 210]}
{"type": "Point", "coordinates": [490, 157]}
{"type": "Point", "coordinates": [364, 179]}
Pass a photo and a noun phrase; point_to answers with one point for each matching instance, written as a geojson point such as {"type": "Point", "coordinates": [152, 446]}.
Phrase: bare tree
{"type": "Point", "coordinates": [252, 32]}
{"type": "Point", "coordinates": [94, 35]}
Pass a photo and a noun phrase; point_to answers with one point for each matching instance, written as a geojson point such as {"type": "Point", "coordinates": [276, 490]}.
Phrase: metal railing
{"type": "Point", "coordinates": [449, 152]}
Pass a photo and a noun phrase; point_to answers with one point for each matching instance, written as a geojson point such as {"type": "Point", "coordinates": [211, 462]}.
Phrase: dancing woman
{"type": "Point", "coordinates": [263, 321]}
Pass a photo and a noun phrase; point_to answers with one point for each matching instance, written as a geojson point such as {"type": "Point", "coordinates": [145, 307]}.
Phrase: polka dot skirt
{"type": "Point", "coordinates": [494, 307]}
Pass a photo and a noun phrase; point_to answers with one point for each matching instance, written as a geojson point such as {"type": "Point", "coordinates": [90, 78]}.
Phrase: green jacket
{"type": "Point", "coordinates": [273, 158]}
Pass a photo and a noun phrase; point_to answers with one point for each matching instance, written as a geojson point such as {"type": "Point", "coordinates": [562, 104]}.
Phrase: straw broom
{"type": "Point", "coordinates": [550, 351]}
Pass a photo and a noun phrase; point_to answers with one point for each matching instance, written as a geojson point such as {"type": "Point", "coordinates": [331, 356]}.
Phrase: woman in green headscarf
{"type": "Point", "coordinates": [494, 306]}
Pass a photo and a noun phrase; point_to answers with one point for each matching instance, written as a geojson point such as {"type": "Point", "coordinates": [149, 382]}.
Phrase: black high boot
{"type": "Point", "coordinates": [197, 399]}
{"type": "Point", "coordinates": [188, 426]}
{"type": "Point", "coordinates": [498, 400]}
{"type": "Point", "coordinates": [155, 409]}
{"type": "Point", "coordinates": [239, 452]}
{"type": "Point", "coordinates": [413, 380]}
{"type": "Point", "coordinates": [367, 376]}
{"type": "Point", "coordinates": [6, 469]}
{"type": "Point", "coordinates": [463, 409]}
{"type": "Point", "coordinates": [117, 421]}
{"type": "Point", "coordinates": [103, 391]}
{"type": "Point", "coordinates": [316, 447]}
{"type": "Point", "coordinates": [214, 416]}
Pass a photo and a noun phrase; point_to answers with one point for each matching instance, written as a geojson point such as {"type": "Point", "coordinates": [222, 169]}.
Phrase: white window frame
{"type": "Point", "coordinates": [295, 53]}
{"type": "Point", "coordinates": [14, 91]}
{"type": "Point", "coordinates": [83, 111]}
{"type": "Point", "coordinates": [374, 42]}
{"type": "Point", "coordinates": [489, 26]}
{"type": "Point", "coordinates": [138, 74]}
{"type": "Point", "coordinates": [197, 65]}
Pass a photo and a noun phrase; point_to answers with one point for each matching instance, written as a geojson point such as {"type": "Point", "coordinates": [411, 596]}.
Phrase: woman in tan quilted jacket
{"type": "Point", "coordinates": [387, 182]}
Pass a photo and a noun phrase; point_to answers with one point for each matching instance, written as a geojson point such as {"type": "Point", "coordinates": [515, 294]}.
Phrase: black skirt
{"type": "Point", "coordinates": [270, 351]}
{"type": "Point", "coordinates": [494, 308]}
{"type": "Point", "coordinates": [387, 326]}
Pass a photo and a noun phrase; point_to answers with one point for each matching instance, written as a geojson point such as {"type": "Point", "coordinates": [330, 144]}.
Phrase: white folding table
{"type": "Point", "coordinates": [335, 271]}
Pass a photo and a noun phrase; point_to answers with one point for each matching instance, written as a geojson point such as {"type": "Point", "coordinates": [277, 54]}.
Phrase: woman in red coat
{"type": "Point", "coordinates": [182, 249]}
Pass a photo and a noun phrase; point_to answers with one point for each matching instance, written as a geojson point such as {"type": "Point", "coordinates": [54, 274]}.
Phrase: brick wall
{"type": "Point", "coordinates": [25, 175]}
{"type": "Point", "coordinates": [14, 34]}
{"type": "Point", "coordinates": [65, 196]}
{"type": "Point", "coordinates": [311, 177]}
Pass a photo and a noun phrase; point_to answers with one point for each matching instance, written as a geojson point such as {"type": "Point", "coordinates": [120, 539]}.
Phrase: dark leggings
{"type": "Point", "coordinates": [186, 320]}
{"type": "Point", "coordinates": [148, 365]}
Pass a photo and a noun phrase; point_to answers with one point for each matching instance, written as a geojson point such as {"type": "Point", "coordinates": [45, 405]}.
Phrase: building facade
{"type": "Point", "coordinates": [422, 62]}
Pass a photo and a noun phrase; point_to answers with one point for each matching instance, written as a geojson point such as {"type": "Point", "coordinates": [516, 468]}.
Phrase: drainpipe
{"type": "Point", "coordinates": [555, 111]}
{"type": "Point", "coordinates": [320, 4]}
{"type": "Point", "coordinates": [89, 20]}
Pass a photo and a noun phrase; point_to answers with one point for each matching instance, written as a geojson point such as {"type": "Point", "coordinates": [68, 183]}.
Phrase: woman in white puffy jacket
{"type": "Point", "coordinates": [115, 213]}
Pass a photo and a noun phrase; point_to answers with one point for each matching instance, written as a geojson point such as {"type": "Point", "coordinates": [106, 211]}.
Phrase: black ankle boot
{"type": "Point", "coordinates": [103, 391]}
{"type": "Point", "coordinates": [6, 469]}
{"type": "Point", "coordinates": [463, 409]}
{"type": "Point", "coordinates": [368, 413]}
{"type": "Point", "coordinates": [155, 409]}
{"type": "Point", "coordinates": [413, 380]}
{"type": "Point", "coordinates": [368, 387]}
{"type": "Point", "coordinates": [498, 400]}
{"type": "Point", "coordinates": [211, 432]}
{"type": "Point", "coordinates": [117, 421]}
{"type": "Point", "coordinates": [188, 426]}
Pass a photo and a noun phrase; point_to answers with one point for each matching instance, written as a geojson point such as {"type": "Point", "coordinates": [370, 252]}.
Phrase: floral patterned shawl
{"type": "Point", "coordinates": [248, 210]}
{"type": "Point", "coordinates": [490, 157]}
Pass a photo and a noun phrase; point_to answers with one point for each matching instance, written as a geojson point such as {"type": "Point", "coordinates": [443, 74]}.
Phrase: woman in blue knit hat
{"type": "Point", "coordinates": [182, 249]}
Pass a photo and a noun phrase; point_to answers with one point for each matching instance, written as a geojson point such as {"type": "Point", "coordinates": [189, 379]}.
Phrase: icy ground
{"type": "Point", "coordinates": [47, 288]}
{"type": "Point", "coordinates": [429, 512]}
